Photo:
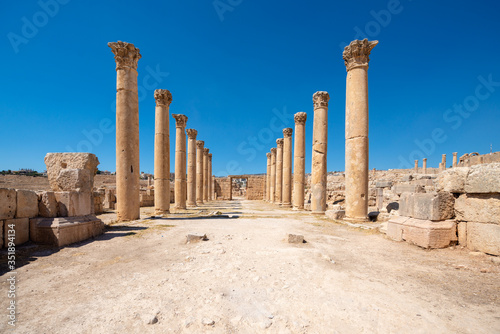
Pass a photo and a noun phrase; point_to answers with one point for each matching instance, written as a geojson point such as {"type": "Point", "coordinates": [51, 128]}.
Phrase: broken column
{"type": "Point", "coordinates": [205, 174]}
{"type": "Point", "coordinates": [210, 189]}
{"type": "Point", "coordinates": [278, 189]}
{"type": "Point", "coordinates": [127, 131]}
{"type": "Point", "coordinates": [320, 139]}
{"type": "Point", "coordinates": [356, 57]}
{"type": "Point", "coordinates": [191, 167]}
{"type": "Point", "coordinates": [424, 165]}
{"type": "Point", "coordinates": [416, 166]}
{"type": "Point", "coordinates": [163, 99]}
{"type": "Point", "coordinates": [268, 178]}
{"type": "Point", "coordinates": [455, 162]}
{"type": "Point", "coordinates": [299, 164]}
{"type": "Point", "coordinates": [287, 168]}
{"type": "Point", "coordinates": [443, 162]}
{"type": "Point", "coordinates": [272, 187]}
{"type": "Point", "coordinates": [180, 161]}
{"type": "Point", "coordinates": [199, 171]}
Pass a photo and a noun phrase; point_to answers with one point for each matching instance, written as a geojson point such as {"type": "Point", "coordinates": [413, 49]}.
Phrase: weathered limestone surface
{"type": "Point", "coordinates": [423, 233]}
{"type": "Point", "coordinates": [163, 98]}
{"type": "Point", "coordinates": [287, 168]}
{"type": "Point", "coordinates": [64, 162]}
{"type": "Point", "coordinates": [433, 206]}
{"type": "Point", "coordinates": [64, 231]}
{"type": "Point", "coordinates": [295, 239]}
{"type": "Point", "coordinates": [299, 163]}
{"type": "Point", "coordinates": [191, 169]}
{"type": "Point", "coordinates": [74, 179]}
{"type": "Point", "coordinates": [483, 237]}
{"type": "Point", "coordinates": [199, 171]}
{"type": "Point", "coordinates": [268, 177]}
{"type": "Point", "coordinates": [272, 187]}
{"type": "Point", "coordinates": [481, 208]}
{"type": "Point", "coordinates": [21, 228]}
{"type": "Point", "coordinates": [319, 151]}
{"type": "Point", "coordinates": [180, 161]}
{"type": "Point", "coordinates": [47, 204]}
{"type": "Point", "coordinates": [455, 161]}
{"type": "Point", "coordinates": [279, 172]}
{"type": "Point", "coordinates": [27, 204]}
{"type": "Point", "coordinates": [8, 203]}
{"type": "Point", "coordinates": [206, 177]}
{"type": "Point", "coordinates": [424, 165]}
{"type": "Point", "coordinates": [483, 179]}
{"type": "Point", "coordinates": [210, 178]}
{"type": "Point", "coordinates": [452, 180]}
{"type": "Point", "coordinates": [401, 188]}
{"type": "Point", "coordinates": [127, 131]}
{"type": "Point", "coordinates": [356, 57]}
{"type": "Point", "coordinates": [73, 203]}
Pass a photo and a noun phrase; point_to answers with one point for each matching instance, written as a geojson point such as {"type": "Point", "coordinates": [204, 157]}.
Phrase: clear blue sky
{"type": "Point", "coordinates": [230, 63]}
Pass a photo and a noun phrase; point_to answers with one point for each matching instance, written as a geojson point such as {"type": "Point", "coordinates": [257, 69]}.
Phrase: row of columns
{"type": "Point", "coordinates": [442, 164]}
{"type": "Point", "coordinates": [192, 190]}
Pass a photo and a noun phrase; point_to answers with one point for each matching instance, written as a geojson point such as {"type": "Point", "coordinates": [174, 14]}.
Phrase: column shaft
{"type": "Point", "coordinates": [272, 186]}
{"type": "Point", "coordinates": [210, 189]}
{"type": "Point", "coordinates": [268, 178]}
{"type": "Point", "coordinates": [191, 169]}
{"type": "Point", "coordinates": [205, 174]}
{"type": "Point", "coordinates": [424, 165]}
{"type": "Point", "coordinates": [287, 168]}
{"type": "Point", "coordinates": [278, 188]}
{"type": "Point", "coordinates": [320, 140]}
{"type": "Point", "coordinates": [299, 164]}
{"type": "Point", "coordinates": [180, 161]}
{"type": "Point", "coordinates": [199, 171]}
{"type": "Point", "coordinates": [455, 162]}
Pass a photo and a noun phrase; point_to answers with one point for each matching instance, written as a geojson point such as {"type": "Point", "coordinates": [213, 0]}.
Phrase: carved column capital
{"type": "Point", "coordinates": [192, 133]}
{"type": "Point", "coordinates": [126, 54]}
{"type": "Point", "coordinates": [279, 142]}
{"type": "Point", "coordinates": [320, 100]}
{"type": "Point", "coordinates": [300, 117]}
{"type": "Point", "coordinates": [287, 132]}
{"type": "Point", "coordinates": [200, 143]}
{"type": "Point", "coordinates": [210, 156]}
{"type": "Point", "coordinates": [180, 120]}
{"type": "Point", "coordinates": [273, 151]}
{"type": "Point", "coordinates": [206, 150]}
{"type": "Point", "coordinates": [268, 155]}
{"type": "Point", "coordinates": [163, 97]}
{"type": "Point", "coordinates": [357, 53]}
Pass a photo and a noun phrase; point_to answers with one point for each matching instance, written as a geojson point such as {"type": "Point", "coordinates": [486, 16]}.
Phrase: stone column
{"type": "Point", "coordinates": [272, 186]}
{"type": "Point", "coordinates": [278, 188]}
{"type": "Point", "coordinates": [210, 189]}
{"type": "Point", "coordinates": [424, 165]}
{"type": "Point", "coordinates": [205, 174]}
{"type": "Point", "coordinates": [443, 161]}
{"type": "Point", "coordinates": [287, 168]}
{"type": "Point", "coordinates": [162, 151]}
{"type": "Point", "coordinates": [149, 181]}
{"type": "Point", "coordinates": [199, 171]}
{"type": "Point", "coordinates": [268, 178]}
{"type": "Point", "coordinates": [356, 57]}
{"type": "Point", "coordinates": [180, 161]}
{"type": "Point", "coordinates": [127, 131]}
{"type": "Point", "coordinates": [191, 169]}
{"type": "Point", "coordinates": [455, 162]}
{"type": "Point", "coordinates": [416, 166]}
{"type": "Point", "coordinates": [320, 139]}
{"type": "Point", "coordinates": [299, 163]}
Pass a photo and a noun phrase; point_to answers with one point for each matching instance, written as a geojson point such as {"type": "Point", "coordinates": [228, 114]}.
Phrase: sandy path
{"type": "Point", "coordinates": [247, 279]}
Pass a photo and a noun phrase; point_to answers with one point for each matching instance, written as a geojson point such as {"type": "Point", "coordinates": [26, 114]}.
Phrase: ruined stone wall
{"type": "Point", "coordinates": [471, 159]}
{"type": "Point", "coordinates": [255, 187]}
{"type": "Point", "coordinates": [222, 188]}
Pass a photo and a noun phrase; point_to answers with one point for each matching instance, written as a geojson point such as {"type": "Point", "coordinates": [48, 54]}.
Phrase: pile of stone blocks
{"type": "Point", "coordinates": [477, 207]}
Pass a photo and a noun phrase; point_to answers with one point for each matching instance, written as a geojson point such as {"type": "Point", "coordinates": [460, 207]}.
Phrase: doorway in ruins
{"type": "Point", "coordinates": [239, 187]}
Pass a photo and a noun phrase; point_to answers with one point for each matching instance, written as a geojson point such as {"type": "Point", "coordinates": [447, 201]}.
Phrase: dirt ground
{"type": "Point", "coordinates": [142, 277]}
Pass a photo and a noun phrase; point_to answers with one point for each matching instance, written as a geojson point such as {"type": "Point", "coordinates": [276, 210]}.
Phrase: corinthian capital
{"type": "Point", "coordinates": [192, 133]}
{"type": "Point", "coordinates": [268, 155]}
{"type": "Point", "coordinates": [163, 97]}
{"type": "Point", "coordinates": [126, 54]}
{"type": "Point", "coordinates": [210, 156]}
{"type": "Point", "coordinates": [357, 53]}
{"type": "Point", "coordinates": [320, 99]}
{"type": "Point", "coordinates": [300, 118]}
{"type": "Point", "coordinates": [279, 142]}
{"type": "Point", "coordinates": [273, 151]}
{"type": "Point", "coordinates": [205, 151]}
{"type": "Point", "coordinates": [200, 144]}
{"type": "Point", "coordinates": [287, 132]}
{"type": "Point", "coordinates": [180, 120]}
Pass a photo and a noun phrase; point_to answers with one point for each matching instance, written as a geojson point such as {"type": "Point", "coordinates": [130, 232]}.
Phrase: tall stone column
{"type": "Point", "coordinates": [299, 161]}
{"type": "Point", "coordinates": [356, 57]}
{"type": "Point", "coordinates": [191, 167]}
{"type": "Point", "coordinates": [455, 160]}
{"type": "Point", "coordinates": [278, 189]}
{"type": "Point", "coordinates": [199, 171]}
{"type": "Point", "coordinates": [287, 168]}
{"type": "Point", "coordinates": [210, 189]}
{"type": "Point", "coordinates": [127, 131]}
{"type": "Point", "coordinates": [268, 178]}
{"type": "Point", "coordinates": [416, 166]}
{"type": "Point", "coordinates": [180, 161]}
{"type": "Point", "coordinates": [205, 174]}
{"type": "Point", "coordinates": [443, 161]}
{"type": "Point", "coordinates": [320, 140]}
{"type": "Point", "coordinates": [424, 165]}
{"type": "Point", "coordinates": [272, 186]}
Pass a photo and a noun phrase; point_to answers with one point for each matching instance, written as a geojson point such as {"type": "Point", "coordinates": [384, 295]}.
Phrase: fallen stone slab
{"type": "Point", "coordinates": [190, 238]}
{"type": "Point", "coordinates": [295, 239]}
{"type": "Point", "coordinates": [335, 214]}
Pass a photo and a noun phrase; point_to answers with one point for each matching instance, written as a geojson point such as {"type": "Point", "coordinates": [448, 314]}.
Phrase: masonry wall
{"type": "Point", "coordinates": [255, 187]}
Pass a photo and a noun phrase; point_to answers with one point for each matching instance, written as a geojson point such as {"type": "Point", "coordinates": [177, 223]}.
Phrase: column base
{"type": "Point", "coordinates": [191, 205]}
{"type": "Point", "coordinates": [317, 212]}
{"type": "Point", "coordinates": [286, 205]}
{"type": "Point", "coordinates": [161, 212]}
{"type": "Point", "coordinates": [298, 209]}
{"type": "Point", "coordinates": [360, 219]}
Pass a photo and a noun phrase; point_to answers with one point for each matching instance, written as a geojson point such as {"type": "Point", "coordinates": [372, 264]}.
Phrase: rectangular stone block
{"type": "Point", "coordinates": [74, 203]}
{"type": "Point", "coordinates": [423, 233]}
{"type": "Point", "coordinates": [481, 208]}
{"type": "Point", "coordinates": [335, 214]}
{"type": "Point", "coordinates": [56, 162]}
{"type": "Point", "coordinates": [483, 179]}
{"type": "Point", "coordinates": [452, 180]}
{"type": "Point", "coordinates": [433, 206]}
{"type": "Point", "coordinates": [21, 230]}
{"type": "Point", "coordinates": [63, 231]}
{"type": "Point", "coordinates": [383, 184]}
{"type": "Point", "coordinates": [8, 203]}
{"type": "Point", "coordinates": [47, 204]}
{"type": "Point", "coordinates": [406, 205]}
{"type": "Point", "coordinates": [410, 188]}
{"type": "Point", "coordinates": [27, 204]}
{"type": "Point", "coordinates": [462, 233]}
{"type": "Point", "coordinates": [483, 237]}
